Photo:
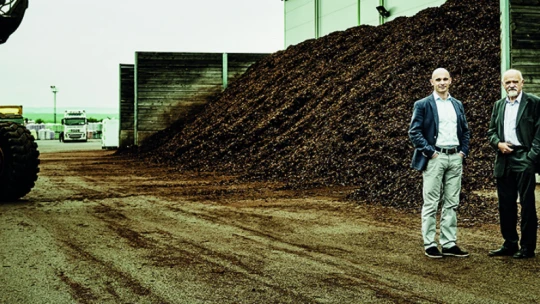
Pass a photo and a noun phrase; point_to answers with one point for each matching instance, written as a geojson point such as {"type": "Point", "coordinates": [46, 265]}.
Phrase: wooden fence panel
{"type": "Point", "coordinates": [127, 100]}
{"type": "Point", "coordinates": [525, 42]}
{"type": "Point", "coordinates": [168, 86]}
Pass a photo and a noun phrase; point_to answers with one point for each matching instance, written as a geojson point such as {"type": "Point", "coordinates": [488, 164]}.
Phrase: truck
{"type": "Point", "coordinates": [75, 126]}
{"type": "Point", "coordinates": [19, 155]}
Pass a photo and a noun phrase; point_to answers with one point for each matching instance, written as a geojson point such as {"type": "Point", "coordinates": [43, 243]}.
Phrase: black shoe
{"type": "Point", "coordinates": [433, 252]}
{"type": "Point", "coordinates": [503, 251]}
{"type": "Point", "coordinates": [523, 254]}
{"type": "Point", "coordinates": [455, 251]}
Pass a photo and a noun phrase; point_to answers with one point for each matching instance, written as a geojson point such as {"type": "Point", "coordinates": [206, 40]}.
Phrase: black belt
{"type": "Point", "coordinates": [446, 151]}
{"type": "Point", "coordinates": [515, 148]}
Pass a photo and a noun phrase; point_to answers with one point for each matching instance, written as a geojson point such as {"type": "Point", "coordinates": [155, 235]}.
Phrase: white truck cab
{"type": "Point", "coordinates": [75, 125]}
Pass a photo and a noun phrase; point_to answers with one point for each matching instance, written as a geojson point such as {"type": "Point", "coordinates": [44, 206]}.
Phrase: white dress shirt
{"type": "Point", "coordinates": [510, 120]}
{"type": "Point", "coordinates": [447, 137]}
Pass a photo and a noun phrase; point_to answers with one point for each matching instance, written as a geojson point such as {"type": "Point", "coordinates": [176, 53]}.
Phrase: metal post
{"type": "Point", "coordinates": [285, 25]}
{"type": "Point", "coordinates": [55, 107]}
{"type": "Point", "coordinates": [317, 23]}
{"type": "Point", "coordinates": [54, 90]}
{"type": "Point", "coordinates": [359, 12]}
{"type": "Point", "coordinates": [381, 18]}
{"type": "Point", "coordinates": [136, 100]}
{"type": "Point", "coordinates": [224, 69]}
{"type": "Point", "coordinates": [505, 39]}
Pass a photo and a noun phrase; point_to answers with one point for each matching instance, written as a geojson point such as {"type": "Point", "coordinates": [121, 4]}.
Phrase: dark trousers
{"type": "Point", "coordinates": [508, 188]}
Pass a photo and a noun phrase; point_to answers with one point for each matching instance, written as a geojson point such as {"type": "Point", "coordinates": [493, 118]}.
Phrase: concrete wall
{"type": "Point", "coordinates": [166, 87]}
{"type": "Point", "coordinates": [307, 19]}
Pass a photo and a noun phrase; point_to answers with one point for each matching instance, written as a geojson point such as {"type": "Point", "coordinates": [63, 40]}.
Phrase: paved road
{"type": "Point", "coordinates": [48, 146]}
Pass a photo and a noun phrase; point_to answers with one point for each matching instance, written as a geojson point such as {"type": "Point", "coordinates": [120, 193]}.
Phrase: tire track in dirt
{"type": "Point", "coordinates": [393, 287]}
{"type": "Point", "coordinates": [119, 277]}
{"type": "Point", "coordinates": [185, 253]}
{"type": "Point", "coordinates": [324, 257]}
{"type": "Point", "coordinates": [91, 277]}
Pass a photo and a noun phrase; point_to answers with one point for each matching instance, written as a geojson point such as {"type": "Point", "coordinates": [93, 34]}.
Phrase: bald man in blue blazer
{"type": "Point", "coordinates": [440, 135]}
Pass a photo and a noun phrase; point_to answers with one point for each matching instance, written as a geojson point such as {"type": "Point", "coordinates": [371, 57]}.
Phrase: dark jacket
{"type": "Point", "coordinates": [424, 129]}
{"type": "Point", "coordinates": [527, 129]}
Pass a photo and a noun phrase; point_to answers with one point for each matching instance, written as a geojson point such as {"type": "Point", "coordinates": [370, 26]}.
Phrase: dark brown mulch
{"type": "Point", "coordinates": [336, 110]}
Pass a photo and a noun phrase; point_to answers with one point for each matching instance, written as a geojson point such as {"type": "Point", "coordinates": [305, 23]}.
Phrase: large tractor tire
{"type": "Point", "coordinates": [19, 161]}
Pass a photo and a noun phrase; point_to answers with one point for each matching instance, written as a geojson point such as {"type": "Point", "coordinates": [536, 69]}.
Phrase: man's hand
{"type": "Point", "coordinates": [505, 148]}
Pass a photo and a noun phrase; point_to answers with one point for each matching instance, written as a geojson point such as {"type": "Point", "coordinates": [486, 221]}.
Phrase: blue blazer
{"type": "Point", "coordinates": [424, 129]}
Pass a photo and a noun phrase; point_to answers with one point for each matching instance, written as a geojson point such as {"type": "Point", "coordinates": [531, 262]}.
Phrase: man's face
{"type": "Point", "coordinates": [441, 81]}
{"type": "Point", "coordinates": [512, 83]}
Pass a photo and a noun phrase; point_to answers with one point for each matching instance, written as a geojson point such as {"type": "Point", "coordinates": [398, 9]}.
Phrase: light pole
{"type": "Point", "coordinates": [54, 90]}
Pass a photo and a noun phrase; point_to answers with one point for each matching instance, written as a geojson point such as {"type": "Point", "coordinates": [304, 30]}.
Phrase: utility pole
{"type": "Point", "coordinates": [54, 90]}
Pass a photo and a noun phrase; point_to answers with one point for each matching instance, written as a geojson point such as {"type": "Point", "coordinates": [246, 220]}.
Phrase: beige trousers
{"type": "Point", "coordinates": [442, 183]}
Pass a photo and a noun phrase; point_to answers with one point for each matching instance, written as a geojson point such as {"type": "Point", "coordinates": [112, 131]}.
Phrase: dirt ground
{"type": "Point", "coordinates": [100, 228]}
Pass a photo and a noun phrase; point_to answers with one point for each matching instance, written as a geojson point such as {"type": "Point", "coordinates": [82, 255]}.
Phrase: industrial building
{"type": "Point", "coordinates": [520, 24]}
{"type": "Point", "coordinates": [307, 19]}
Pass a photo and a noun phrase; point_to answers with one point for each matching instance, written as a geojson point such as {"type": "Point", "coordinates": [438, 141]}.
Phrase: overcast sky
{"type": "Point", "coordinates": [78, 45]}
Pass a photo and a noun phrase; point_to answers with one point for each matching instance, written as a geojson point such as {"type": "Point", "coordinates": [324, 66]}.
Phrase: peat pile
{"type": "Point", "coordinates": [336, 110]}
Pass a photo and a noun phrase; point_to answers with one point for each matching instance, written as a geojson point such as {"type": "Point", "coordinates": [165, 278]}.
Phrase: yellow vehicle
{"type": "Point", "coordinates": [19, 156]}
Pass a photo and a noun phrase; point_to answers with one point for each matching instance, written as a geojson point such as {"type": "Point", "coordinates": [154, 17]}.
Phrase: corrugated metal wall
{"type": "Point", "coordinates": [525, 42]}
{"type": "Point", "coordinates": [307, 19]}
{"type": "Point", "coordinates": [166, 86]}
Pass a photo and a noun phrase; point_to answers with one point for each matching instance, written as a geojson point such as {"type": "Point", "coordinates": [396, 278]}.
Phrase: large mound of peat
{"type": "Point", "coordinates": [336, 110]}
